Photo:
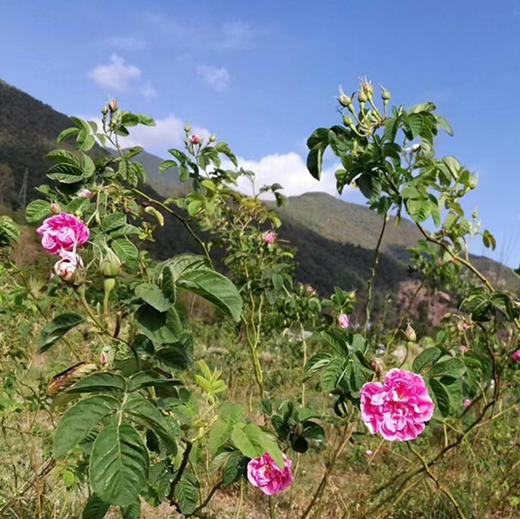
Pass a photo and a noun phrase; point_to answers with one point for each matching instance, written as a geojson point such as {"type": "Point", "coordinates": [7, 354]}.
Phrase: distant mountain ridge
{"type": "Point", "coordinates": [335, 239]}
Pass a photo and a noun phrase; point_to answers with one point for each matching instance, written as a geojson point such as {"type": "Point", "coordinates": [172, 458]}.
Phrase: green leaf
{"type": "Point", "coordinates": [156, 325]}
{"type": "Point", "coordinates": [145, 413]}
{"type": "Point", "coordinates": [253, 442]}
{"type": "Point", "coordinates": [56, 329]}
{"type": "Point", "coordinates": [174, 357]}
{"type": "Point", "coordinates": [145, 379]}
{"type": "Point", "coordinates": [66, 134]}
{"type": "Point", "coordinates": [126, 251]}
{"type": "Point", "coordinates": [80, 420]}
{"type": "Point", "coordinates": [118, 465]}
{"type": "Point", "coordinates": [234, 468]}
{"type": "Point", "coordinates": [37, 210]}
{"type": "Point", "coordinates": [99, 382]}
{"type": "Point", "coordinates": [441, 397]}
{"type": "Point", "coordinates": [95, 509]}
{"type": "Point", "coordinates": [453, 368]}
{"type": "Point", "coordinates": [425, 358]}
{"type": "Point", "coordinates": [9, 231]}
{"type": "Point", "coordinates": [153, 295]}
{"type": "Point", "coordinates": [489, 240]}
{"type": "Point", "coordinates": [133, 511]}
{"type": "Point", "coordinates": [214, 287]}
{"type": "Point", "coordinates": [113, 221]}
{"type": "Point", "coordinates": [186, 493]}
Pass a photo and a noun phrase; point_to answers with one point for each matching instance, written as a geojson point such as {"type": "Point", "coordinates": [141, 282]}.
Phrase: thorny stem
{"type": "Point", "coordinates": [180, 218]}
{"type": "Point", "coordinates": [347, 433]}
{"type": "Point", "coordinates": [182, 468]}
{"type": "Point", "coordinates": [432, 476]}
{"type": "Point", "coordinates": [373, 274]}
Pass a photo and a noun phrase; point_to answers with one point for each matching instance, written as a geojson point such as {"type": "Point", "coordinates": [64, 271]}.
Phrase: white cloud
{"type": "Point", "coordinates": [216, 77]}
{"type": "Point", "coordinates": [117, 75]}
{"type": "Point", "coordinates": [287, 169]}
{"type": "Point", "coordinates": [148, 90]}
{"type": "Point", "coordinates": [126, 43]}
{"type": "Point", "coordinates": [290, 171]}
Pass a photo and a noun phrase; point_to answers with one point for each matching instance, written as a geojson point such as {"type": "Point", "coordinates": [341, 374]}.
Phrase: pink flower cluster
{"type": "Point", "coordinates": [264, 474]}
{"type": "Point", "coordinates": [61, 235]}
{"type": "Point", "coordinates": [516, 356]}
{"type": "Point", "coordinates": [397, 408]}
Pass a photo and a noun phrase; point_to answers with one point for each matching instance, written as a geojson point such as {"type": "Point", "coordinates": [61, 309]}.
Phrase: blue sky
{"type": "Point", "coordinates": [263, 75]}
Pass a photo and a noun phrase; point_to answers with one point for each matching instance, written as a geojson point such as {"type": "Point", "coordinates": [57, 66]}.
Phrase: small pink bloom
{"type": "Point", "coordinates": [463, 348]}
{"type": "Point", "coordinates": [467, 402]}
{"type": "Point", "coordinates": [55, 208]}
{"type": "Point", "coordinates": [264, 474]}
{"type": "Point", "coordinates": [63, 232]}
{"type": "Point", "coordinates": [112, 105]}
{"type": "Point", "coordinates": [84, 193]}
{"type": "Point", "coordinates": [194, 139]}
{"type": "Point", "coordinates": [516, 356]}
{"type": "Point", "coordinates": [309, 290]}
{"type": "Point", "coordinates": [397, 408]}
{"type": "Point", "coordinates": [270, 237]}
{"type": "Point", "coordinates": [103, 358]}
{"type": "Point", "coordinates": [368, 453]}
{"type": "Point", "coordinates": [465, 326]}
{"type": "Point", "coordinates": [67, 265]}
{"type": "Point", "coordinates": [343, 321]}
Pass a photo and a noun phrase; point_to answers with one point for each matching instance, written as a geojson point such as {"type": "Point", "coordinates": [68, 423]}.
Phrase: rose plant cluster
{"type": "Point", "coordinates": [146, 414]}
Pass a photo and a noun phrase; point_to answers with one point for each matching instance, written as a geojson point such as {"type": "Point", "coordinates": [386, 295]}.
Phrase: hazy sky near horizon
{"type": "Point", "coordinates": [264, 75]}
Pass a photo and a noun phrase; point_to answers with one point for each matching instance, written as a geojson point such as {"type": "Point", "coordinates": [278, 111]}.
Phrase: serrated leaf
{"type": "Point", "coordinates": [453, 368]}
{"type": "Point", "coordinates": [118, 465]}
{"type": "Point", "coordinates": [37, 210]}
{"type": "Point", "coordinates": [56, 329]}
{"type": "Point", "coordinates": [80, 420]}
{"type": "Point", "coordinates": [95, 508]}
{"type": "Point", "coordinates": [214, 287]}
{"type": "Point", "coordinates": [126, 251]}
{"type": "Point", "coordinates": [152, 295]}
{"type": "Point", "coordinates": [426, 357]}
{"type": "Point", "coordinates": [186, 493]}
{"type": "Point", "coordinates": [99, 382]}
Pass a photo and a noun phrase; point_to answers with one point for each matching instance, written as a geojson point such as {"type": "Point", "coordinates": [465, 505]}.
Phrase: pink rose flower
{"type": "Point", "coordinates": [265, 474]}
{"type": "Point", "coordinates": [63, 232]}
{"type": "Point", "coordinates": [516, 356]}
{"type": "Point", "coordinates": [343, 321]}
{"type": "Point", "coordinates": [67, 265]}
{"type": "Point", "coordinates": [467, 402]}
{"type": "Point", "coordinates": [397, 408]}
{"type": "Point", "coordinates": [194, 139]}
{"type": "Point", "coordinates": [269, 237]}
{"type": "Point", "coordinates": [463, 348]}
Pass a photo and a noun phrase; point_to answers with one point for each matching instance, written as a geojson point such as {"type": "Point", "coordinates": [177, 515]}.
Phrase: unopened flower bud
{"type": "Point", "coordinates": [516, 356]}
{"type": "Point", "coordinates": [212, 138]}
{"type": "Point", "coordinates": [369, 453]}
{"type": "Point", "coordinates": [55, 208]}
{"type": "Point", "coordinates": [385, 95]}
{"type": "Point", "coordinates": [377, 366]}
{"type": "Point", "coordinates": [410, 333]}
{"type": "Point", "coordinates": [112, 105]}
{"type": "Point", "coordinates": [367, 88]}
{"type": "Point", "coordinates": [84, 193]}
{"type": "Point", "coordinates": [463, 348]}
{"type": "Point", "coordinates": [194, 139]}
{"type": "Point", "coordinates": [344, 100]}
{"type": "Point", "coordinates": [269, 237]}
{"type": "Point", "coordinates": [467, 402]}
{"type": "Point", "coordinates": [347, 121]}
{"type": "Point", "coordinates": [187, 127]}
{"type": "Point", "coordinates": [343, 321]}
{"type": "Point", "coordinates": [104, 110]}
{"type": "Point", "coordinates": [110, 265]}
{"type": "Point", "coordinates": [362, 97]}
{"type": "Point", "coordinates": [103, 358]}
{"type": "Point", "coordinates": [415, 147]}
